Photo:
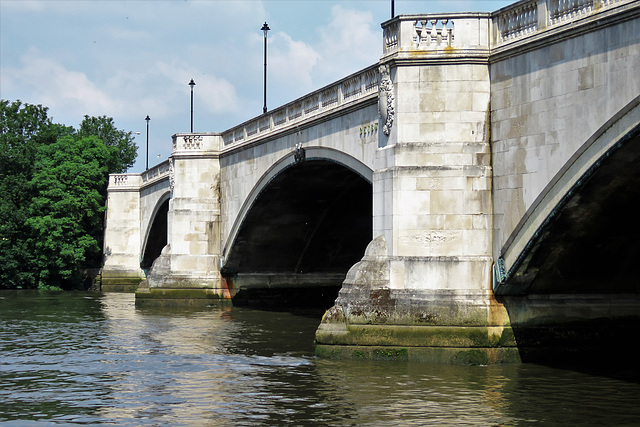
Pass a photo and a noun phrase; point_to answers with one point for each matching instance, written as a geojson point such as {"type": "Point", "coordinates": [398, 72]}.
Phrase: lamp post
{"type": "Point", "coordinates": [192, 84]}
{"type": "Point", "coordinates": [393, 13]}
{"type": "Point", "coordinates": [264, 29]}
{"type": "Point", "coordinates": [147, 119]}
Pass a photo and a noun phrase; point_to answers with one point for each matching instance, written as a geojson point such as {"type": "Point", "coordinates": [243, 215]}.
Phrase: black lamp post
{"type": "Point", "coordinates": [264, 29]}
{"type": "Point", "coordinates": [393, 13]}
{"type": "Point", "coordinates": [147, 119]}
{"type": "Point", "coordinates": [192, 84]}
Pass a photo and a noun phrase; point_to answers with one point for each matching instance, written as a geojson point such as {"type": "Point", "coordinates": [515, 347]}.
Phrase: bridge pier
{"type": "Point", "coordinates": [372, 318]}
{"type": "Point", "coordinates": [424, 285]}
{"type": "Point", "coordinates": [188, 269]}
{"type": "Point", "coordinates": [121, 271]}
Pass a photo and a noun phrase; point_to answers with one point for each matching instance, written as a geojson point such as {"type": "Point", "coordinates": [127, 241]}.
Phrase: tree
{"type": "Point", "coordinates": [122, 148]}
{"type": "Point", "coordinates": [19, 127]}
{"type": "Point", "coordinates": [65, 214]}
{"type": "Point", "coordinates": [53, 184]}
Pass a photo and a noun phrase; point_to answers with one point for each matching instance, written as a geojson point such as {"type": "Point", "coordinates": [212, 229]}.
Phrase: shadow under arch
{"type": "Point", "coordinates": [156, 236]}
{"type": "Point", "coordinates": [589, 206]}
{"type": "Point", "coordinates": [299, 231]}
{"type": "Point", "coordinates": [573, 294]}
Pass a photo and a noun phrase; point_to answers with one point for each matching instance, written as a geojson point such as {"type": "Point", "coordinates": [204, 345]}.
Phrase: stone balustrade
{"type": "Point", "coordinates": [134, 181]}
{"type": "Point", "coordinates": [436, 33]}
{"type": "Point", "coordinates": [158, 172]}
{"type": "Point", "coordinates": [124, 181]}
{"type": "Point", "coordinates": [330, 98]}
{"type": "Point", "coordinates": [453, 32]}
{"type": "Point", "coordinates": [528, 17]}
{"type": "Point", "coordinates": [517, 21]}
{"type": "Point", "coordinates": [192, 143]}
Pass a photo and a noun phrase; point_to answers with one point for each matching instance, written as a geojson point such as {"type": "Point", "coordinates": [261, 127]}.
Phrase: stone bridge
{"type": "Point", "coordinates": [469, 198]}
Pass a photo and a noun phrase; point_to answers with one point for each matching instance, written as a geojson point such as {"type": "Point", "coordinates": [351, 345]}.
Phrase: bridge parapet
{"type": "Point", "coordinates": [195, 143]}
{"type": "Point", "coordinates": [134, 181]}
{"type": "Point", "coordinates": [156, 173]}
{"type": "Point", "coordinates": [530, 17]}
{"type": "Point", "coordinates": [436, 33]}
{"type": "Point", "coordinates": [124, 181]}
{"type": "Point", "coordinates": [340, 95]}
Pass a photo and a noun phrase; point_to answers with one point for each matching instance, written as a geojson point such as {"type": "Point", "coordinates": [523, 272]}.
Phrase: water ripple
{"type": "Point", "coordinates": [96, 359]}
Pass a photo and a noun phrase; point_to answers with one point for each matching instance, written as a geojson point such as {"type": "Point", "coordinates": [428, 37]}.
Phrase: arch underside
{"type": "Point", "coordinates": [304, 231]}
{"type": "Point", "coordinates": [156, 238]}
{"type": "Point", "coordinates": [590, 243]}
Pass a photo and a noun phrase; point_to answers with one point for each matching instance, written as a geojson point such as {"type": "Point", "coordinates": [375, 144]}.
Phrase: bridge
{"type": "Point", "coordinates": [472, 197]}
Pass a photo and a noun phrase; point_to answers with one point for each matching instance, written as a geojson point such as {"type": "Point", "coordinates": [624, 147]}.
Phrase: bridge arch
{"type": "Point", "coordinates": [156, 235]}
{"type": "Point", "coordinates": [301, 227]}
{"type": "Point", "coordinates": [285, 162]}
{"type": "Point", "coordinates": [585, 215]}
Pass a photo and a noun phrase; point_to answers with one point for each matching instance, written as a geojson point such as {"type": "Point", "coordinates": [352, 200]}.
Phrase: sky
{"type": "Point", "coordinates": [127, 59]}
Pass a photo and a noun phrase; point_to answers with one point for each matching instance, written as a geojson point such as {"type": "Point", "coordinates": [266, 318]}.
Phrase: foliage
{"type": "Point", "coordinates": [19, 128]}
{"type": "Point", "coordinates": [66, 209]}
{"type": "Point", "coordinates": [52, 288]}
{"type": "Point", "coordinates": [122, 148]}
{"type": "Point", "coordinates": [52, 189]}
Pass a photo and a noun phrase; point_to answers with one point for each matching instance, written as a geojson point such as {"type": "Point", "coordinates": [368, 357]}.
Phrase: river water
{"type": "Point", "coordinates": [90, 358]}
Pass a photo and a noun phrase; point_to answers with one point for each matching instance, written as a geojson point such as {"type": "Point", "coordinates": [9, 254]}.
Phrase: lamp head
{"type": "Point", "coordinates": [265, 28]}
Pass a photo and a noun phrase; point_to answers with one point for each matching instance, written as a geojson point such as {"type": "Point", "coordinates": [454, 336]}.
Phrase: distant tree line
{"type": "Point", "coordinates": [53, 182]}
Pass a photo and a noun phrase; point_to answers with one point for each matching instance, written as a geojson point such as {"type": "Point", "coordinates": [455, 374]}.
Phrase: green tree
{"type": "Point", "coordinates": [65, 214]}
{"type": "Point", "coordinates": [20, 126]}
{"type": "Point", "coordinates": [52, 189]}
{"type": "Point", "coordinates": [122, 148]}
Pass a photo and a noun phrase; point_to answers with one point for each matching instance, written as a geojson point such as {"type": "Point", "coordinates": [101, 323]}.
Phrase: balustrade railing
{"type": "Point", "coordinates": [433, 32]}
{"type": "Point", "coordinates": [564, 10]}
{"type": "Point", "coordinates": [119, 180]}
{"type": "Point", "coordinates": [346, 91]}
{"type": "Point", "coordinates": [518, 21]}
{"type": "Point", "coordinates": [124, 180]}
{"type": "Point", "coordinates": [528, 17]}
{"type": "Point", "coordinates": [192, 142]}
{"type": "Point", "coordinates": [442, 34]}
{"type": "Point", "coordinates": [159, 171]}
{"type": "Point", "coordinates": [436, 33]}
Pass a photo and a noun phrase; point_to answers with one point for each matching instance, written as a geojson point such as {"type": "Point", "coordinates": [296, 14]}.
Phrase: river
{"type": "Point", "coordinates": [91, 358]}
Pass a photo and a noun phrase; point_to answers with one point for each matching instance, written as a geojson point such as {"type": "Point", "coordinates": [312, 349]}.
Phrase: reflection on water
{"type": "Point", "coordinates": [93, 358]}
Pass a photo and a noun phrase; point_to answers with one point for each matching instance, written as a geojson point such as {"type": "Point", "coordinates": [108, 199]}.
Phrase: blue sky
{"type": "Point", "coordinates": [130, 58]}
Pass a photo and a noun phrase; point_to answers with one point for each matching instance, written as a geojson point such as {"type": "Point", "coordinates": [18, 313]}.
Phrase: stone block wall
{"type": "Point", "coordinates": [547, 102]}
{"type": "Point", "coordinates": [121, 270]}
{"type": "Point", "coordinates": [192, 258]}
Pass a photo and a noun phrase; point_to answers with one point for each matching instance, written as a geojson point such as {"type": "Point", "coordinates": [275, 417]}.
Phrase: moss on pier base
{"type": "Point", "coordinates": [164, 297]}
{"type": "Point", "coordinates": [475, 345]}
{"type": "Point", "coordinates": [120, 281]}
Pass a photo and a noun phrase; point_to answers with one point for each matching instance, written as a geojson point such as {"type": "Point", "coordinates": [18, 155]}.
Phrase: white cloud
{"type": "Point", "coordinates": [52, 85]}
{"type": "Point", "coordinates": [291, 61]}
{"type": "Point", "coordinates": [216, 94]}
{"type": "Point", "coordinates": [348, 43]}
